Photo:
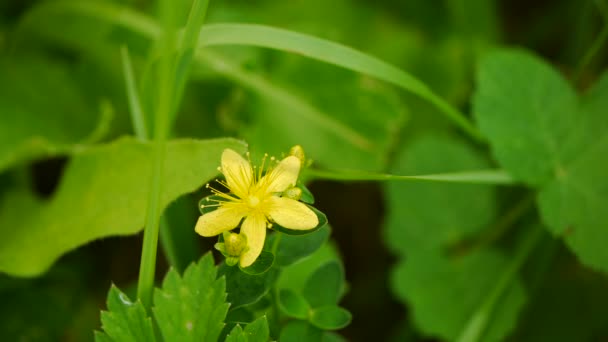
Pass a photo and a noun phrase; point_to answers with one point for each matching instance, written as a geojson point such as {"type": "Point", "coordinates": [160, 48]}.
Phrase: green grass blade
{"type": "Point", "coordinates": [280, 39]}
{"type": "Point", "coordinates": [475, 328]}
{"type": "Point", "coordinates": [496, 177]}
{"type": "Point", "coordinates": [135, 109]}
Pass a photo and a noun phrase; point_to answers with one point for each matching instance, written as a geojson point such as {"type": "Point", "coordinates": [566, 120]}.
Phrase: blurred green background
{"type": "Point", "coordinates": [62, 89]}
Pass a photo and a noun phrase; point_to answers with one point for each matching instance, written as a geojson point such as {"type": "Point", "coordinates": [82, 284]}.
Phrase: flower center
{"type": "Point", "coordinates": [253, 201]}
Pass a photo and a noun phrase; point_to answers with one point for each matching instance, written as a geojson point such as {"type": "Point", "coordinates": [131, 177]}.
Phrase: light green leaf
{"type": "Point", "coordinates": [294, 276]}
{"type": "Point", "coordinates": [330, 317]}
{"type": "Point", "coordinates": [574, 203]}
{"type": "Point", "coordinates": [236, 335]}
{"type": "Point", "coordinates": [412, 220]}
{"type": "Point", "coordinates": [43, 112]}
{"type": "Point", "coordinates": [526, 113]}
{"type": "Point", "coordinates": [125, 320]}
{"type": "Point", "coordinates": [445, 293]}
{"type": "Point", "coordinates": [325, 286]}
{"type": "Point", "coordinates": [300, 331]}
{"type": "Point", "coordinates": [542, 135]}
{"type": "Point", "coordinates": [257, 331]}
{"type": "Point", "coordinates": [192, 307]}
{"type": "Point", "coordinates": [103, 192]}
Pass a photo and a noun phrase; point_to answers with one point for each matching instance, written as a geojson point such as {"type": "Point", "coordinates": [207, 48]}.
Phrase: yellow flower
{"type": "Point", "coordinates": [256, 198]}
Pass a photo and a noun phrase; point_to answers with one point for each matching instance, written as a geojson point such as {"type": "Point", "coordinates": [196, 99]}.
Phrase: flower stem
{"type": "Point", "coordinates": [145, 285]}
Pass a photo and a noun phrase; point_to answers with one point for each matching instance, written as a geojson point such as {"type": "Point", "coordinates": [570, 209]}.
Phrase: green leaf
{"type": "Point", "coordinates": [293, 304]}
{"type": "Point", "coordinates": [542, 135]}
{"type": "Point", "coordinates": [244, 289]}
{"type": "Point", "coordinates": [444, 293]}
{"type": "Point", "coordinates": [580, 314]}
{"type": "Point", "coordinates": [124, 320]}
{"type": "Point", "coordinates": [262, 264]}
{"type": "Point", "coordinates": [293, 248]}
{"type": "Point", "coordinates": [257, 331]}
{"type": "Point", "coordinates": [192, 307]}
{"type": "Point", "coordinates": [236, 335]}
{"type": "Point", "coordinates": [359, 140]}
{"type": "Point", "coordinates": [300, 331]}
{"type": "Point", "coordinates": [44, 113]}
{"type": "Point", "coordinates": [102, 193]}
{"type": "Point", "coordinates": [413, 221]}
{"type": "Point", "coordinates": [325, 286]}
{"type": "Point", "coordinates": [331, 317]}
{"type": "Point", "coordinates": [294, 276]}
{"type": "Point", "coordinates": [526, 113]}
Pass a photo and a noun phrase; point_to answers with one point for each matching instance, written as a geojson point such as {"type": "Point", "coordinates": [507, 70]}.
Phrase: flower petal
{"type": "Point", "coordinates": [237, 171]}
{"type": "Point", "coordinates": [254, 228]}
{"type": "Point", "coordinates": [283, 176]}
{"type": "Point", "coordinates": [218, 221]}
{"type": "Point", "coordinates": [291, 214]}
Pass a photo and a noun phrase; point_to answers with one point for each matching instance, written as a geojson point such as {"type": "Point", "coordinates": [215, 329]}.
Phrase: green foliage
{"type": "Point", "coordinates": [294, 248]}
{"type": "Point", "coordinates": [293, 304]}
{"type": "Point", "coordinates": [325, 286]}
{"type": "Point", "coordinates": [191, 308]}
{"type": "Point", "coordinates": [125, 320]}
{"type": "Point", "coordinates": [31, 86]}
{"type": "Point", "coordinates": [256, 331]}
{"type": "Point", "coordinates": [541, 135]}
{"type": "Point", "coordinates": [102, 193]}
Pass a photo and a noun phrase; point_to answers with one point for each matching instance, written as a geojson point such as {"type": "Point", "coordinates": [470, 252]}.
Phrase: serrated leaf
{"type": "Point", "coordinates": [444, 293]}
{"type": "Point", "coordinates": [125, 320]}
{"type": "Point", "coordinates": [293, 304]}
{"type": "Point", "coordinates": [44, 113]}
{"type": "Point", "coordinates": [293, 248]}
{"type": "Point", "coordinates": [192, 307]}
{"type": "Point", "coordinates": [413, 221]}
{"type": "Point", "coordinates": [243, 288]}
{"type": "Point", "coordinates": [257, 331]}
{"type": "Point", "coordinates": [103, 192]}
{"type": "Point", "coordinates": [236, 335]}
{"type": "Point", "coordinates": [526, 113]}
{"type": "Point", "coordinates": [325, 286]}
{"type": "Point", "coordinates": [330, 317]}
{"type": "Point", "coordinates": [541, 134]}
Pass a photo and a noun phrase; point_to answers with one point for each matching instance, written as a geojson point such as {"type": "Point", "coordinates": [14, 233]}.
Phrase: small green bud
{"type": "Point", "coordinates": [234, 244]}
{"type": "Point", "coordinates": [294, 193]}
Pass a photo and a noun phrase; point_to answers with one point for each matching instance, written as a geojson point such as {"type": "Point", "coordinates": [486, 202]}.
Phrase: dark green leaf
{"type": "Point", "coordinates": [293, 304]}
{"type": "Point", "coordinates": [300, 331]}
{"type": "Point", "coordinates": [325, 286]}
{"type": "Point", "coordinates": [243, 288]}
{"type": "Point", "coordinates": [262, 264]}
{"type": "Point", "coordinates": [293, 248]}
{"type": "Point", "coordinates": [444, 293]}
{"type": "Point", "coordinates": [103, 192]}
{"type": "Point", "coordinates": [436, 214]}
{"type": "Point", "coordinates": [125, 320]}
{"type": "Point", "coordinates": [331, 317]}
{"type": "Point", "coordinates": [192, 307]}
